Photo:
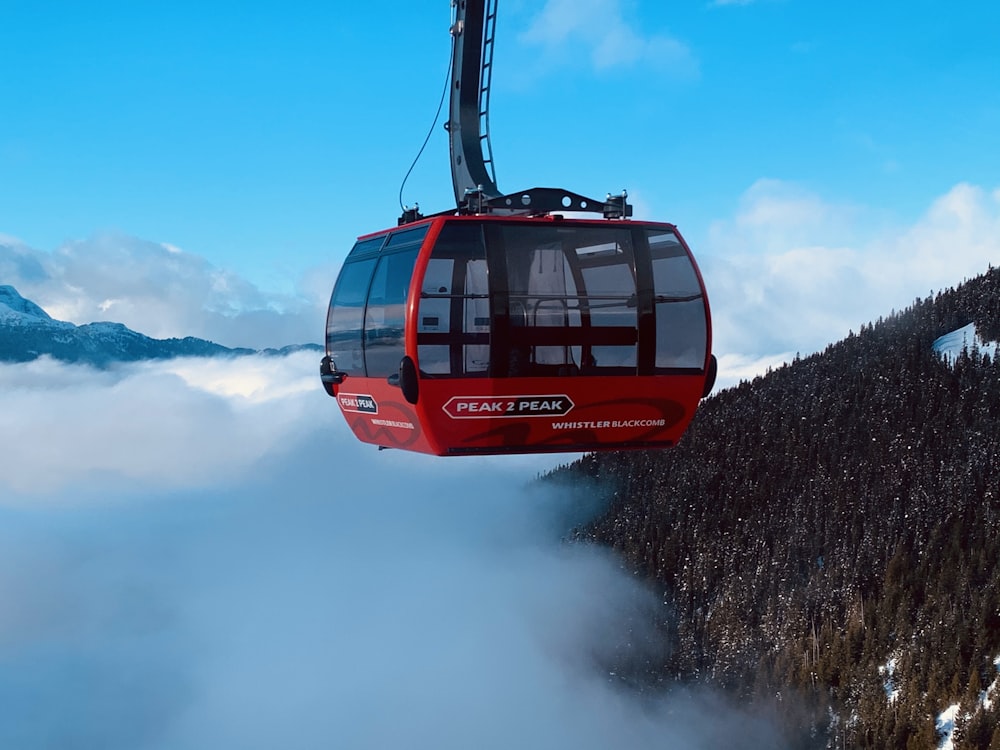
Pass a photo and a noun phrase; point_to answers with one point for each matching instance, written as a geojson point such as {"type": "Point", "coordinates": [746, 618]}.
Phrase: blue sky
{"type": "Point", "coordinates": [263, 137]}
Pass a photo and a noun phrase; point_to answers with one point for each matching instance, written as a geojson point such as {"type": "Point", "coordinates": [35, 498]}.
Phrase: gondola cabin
{"type": "Point", "coordinates": [483, 334]}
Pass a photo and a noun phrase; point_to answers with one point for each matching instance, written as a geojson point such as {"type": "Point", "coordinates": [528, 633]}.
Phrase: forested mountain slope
{"type": "Point", "coordinates": [832, 515]}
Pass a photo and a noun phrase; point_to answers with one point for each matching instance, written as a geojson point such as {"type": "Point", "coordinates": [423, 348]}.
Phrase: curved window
{"type": "Point", "coordinates": [681, 327]}
{"type": "Point", "coordinates": [364, 325]}
{"type": "Point", "coordinates": [385, 315]}
{"type": "Point", "coordinates": [346, 315]}
{"type": "Point", "coordinates": [365, 248]}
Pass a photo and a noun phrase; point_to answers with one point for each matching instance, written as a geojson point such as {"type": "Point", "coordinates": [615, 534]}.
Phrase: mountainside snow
{"type": "Point", "coordinates": [950, 345]}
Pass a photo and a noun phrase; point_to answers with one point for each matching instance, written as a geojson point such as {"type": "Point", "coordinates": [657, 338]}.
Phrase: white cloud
{"type": "Point", "coordinates": [161, 291]}
{"type": "Point", "coordinates": [563, 27]}
{"type": "Point", "coordinates": [793, 272]}
{"type": "Point", "coordinates": [179, 423]}
{"type": "Point", "coordinates": [194, 560]}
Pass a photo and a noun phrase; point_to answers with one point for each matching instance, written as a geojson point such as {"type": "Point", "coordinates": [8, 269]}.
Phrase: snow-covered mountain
{"type": "Point", "coordinates": [28, 332]}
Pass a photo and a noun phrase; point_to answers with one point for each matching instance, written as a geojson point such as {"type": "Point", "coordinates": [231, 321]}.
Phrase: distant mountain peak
{"type": "Point", "coordinates": [28, 332]}
{"type": "Point", "coordinates": [10, 297]}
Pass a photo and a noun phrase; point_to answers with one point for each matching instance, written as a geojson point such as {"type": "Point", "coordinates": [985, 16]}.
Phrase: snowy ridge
{"type": "Point", "coordinates": [16, 310]}
{"type": "Point", "coordinates": [10, 299]}
{"type": "Point", "coordinates": [28, 332]}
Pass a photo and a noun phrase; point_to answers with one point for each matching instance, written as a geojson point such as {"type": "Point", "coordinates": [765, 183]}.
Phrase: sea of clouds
{"type": "Point", "coordinates": [197, 554]}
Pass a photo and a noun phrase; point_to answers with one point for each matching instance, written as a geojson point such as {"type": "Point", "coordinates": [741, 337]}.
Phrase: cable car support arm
{"type": "Point", "coordinates": [468, 125]}
{"type": "Point", "coordinates": [472, 169]}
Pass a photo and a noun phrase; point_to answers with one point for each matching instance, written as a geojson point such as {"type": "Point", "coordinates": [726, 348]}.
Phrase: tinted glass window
{"type": "Point", "coordinates": [572, 299]}
{"type": "Point", "coordinates": [407, 237]}
{"type": "Point", "coordinates": [681, 327]}
{"type": "Point", "coordinates": [366, 247]}
{"type": "Point", "coordinates": [543, 294]}
{"type": "Point", "coordinates": [454, 319]}
{"type": "Point", "coordinates": [346, 314]}
{"type": "Point", "coordinates": [385, 314]}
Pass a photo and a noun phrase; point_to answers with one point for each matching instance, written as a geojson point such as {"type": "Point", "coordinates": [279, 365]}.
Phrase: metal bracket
{"type": "Point", "coordinates": [410, 215]}
{"type": "Point", "coordinates": [617, 207]}
{"type": "Point", "coordinates": [533, 202]}
{"type": "Point", "coordinates": [540, 201]}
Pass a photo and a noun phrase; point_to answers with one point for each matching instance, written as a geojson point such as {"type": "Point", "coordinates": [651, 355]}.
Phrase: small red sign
{"type": "Point", "coordinates": [358, 402]}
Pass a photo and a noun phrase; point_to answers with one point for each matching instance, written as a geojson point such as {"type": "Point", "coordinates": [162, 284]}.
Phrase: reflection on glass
{"type": "Point", "coordinates": [455, 316]}
{"type": "Point", "coordinates": [385, 316]}
{"type": "Point", "coordinates": [343, 323]}
{"type": "Point", "coordinates": [681, 325]}
{"type": "Point", "coordinates": [577, 279]}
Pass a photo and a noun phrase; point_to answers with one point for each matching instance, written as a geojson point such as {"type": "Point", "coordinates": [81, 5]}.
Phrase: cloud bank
{"type": "Point", "coordinates": [195, 554]}
{"type": "Point", "coordinates": [162, 291]}
{"type": "Point", "coordinates": [175, 424]}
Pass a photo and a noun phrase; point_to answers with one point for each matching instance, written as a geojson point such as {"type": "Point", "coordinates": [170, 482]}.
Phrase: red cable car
{"type": "Point", "coordinates": [503, 327]}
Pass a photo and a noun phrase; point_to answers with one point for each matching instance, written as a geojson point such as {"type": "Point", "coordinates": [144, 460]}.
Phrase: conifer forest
{"type": "Point", "coordinates": [825, 537]}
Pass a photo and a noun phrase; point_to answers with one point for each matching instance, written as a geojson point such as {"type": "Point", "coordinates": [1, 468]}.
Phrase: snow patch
{"type": "Point", "coordinates": [988, 695]}
{"type": "Point", "coordinates": [945, 726]}
{"type": "Point", "coordinates": [947, 719]}
{"type": "Point", "coordinates": [889, 683]}
{"type": "Point", "coordinates": [951, 345]}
